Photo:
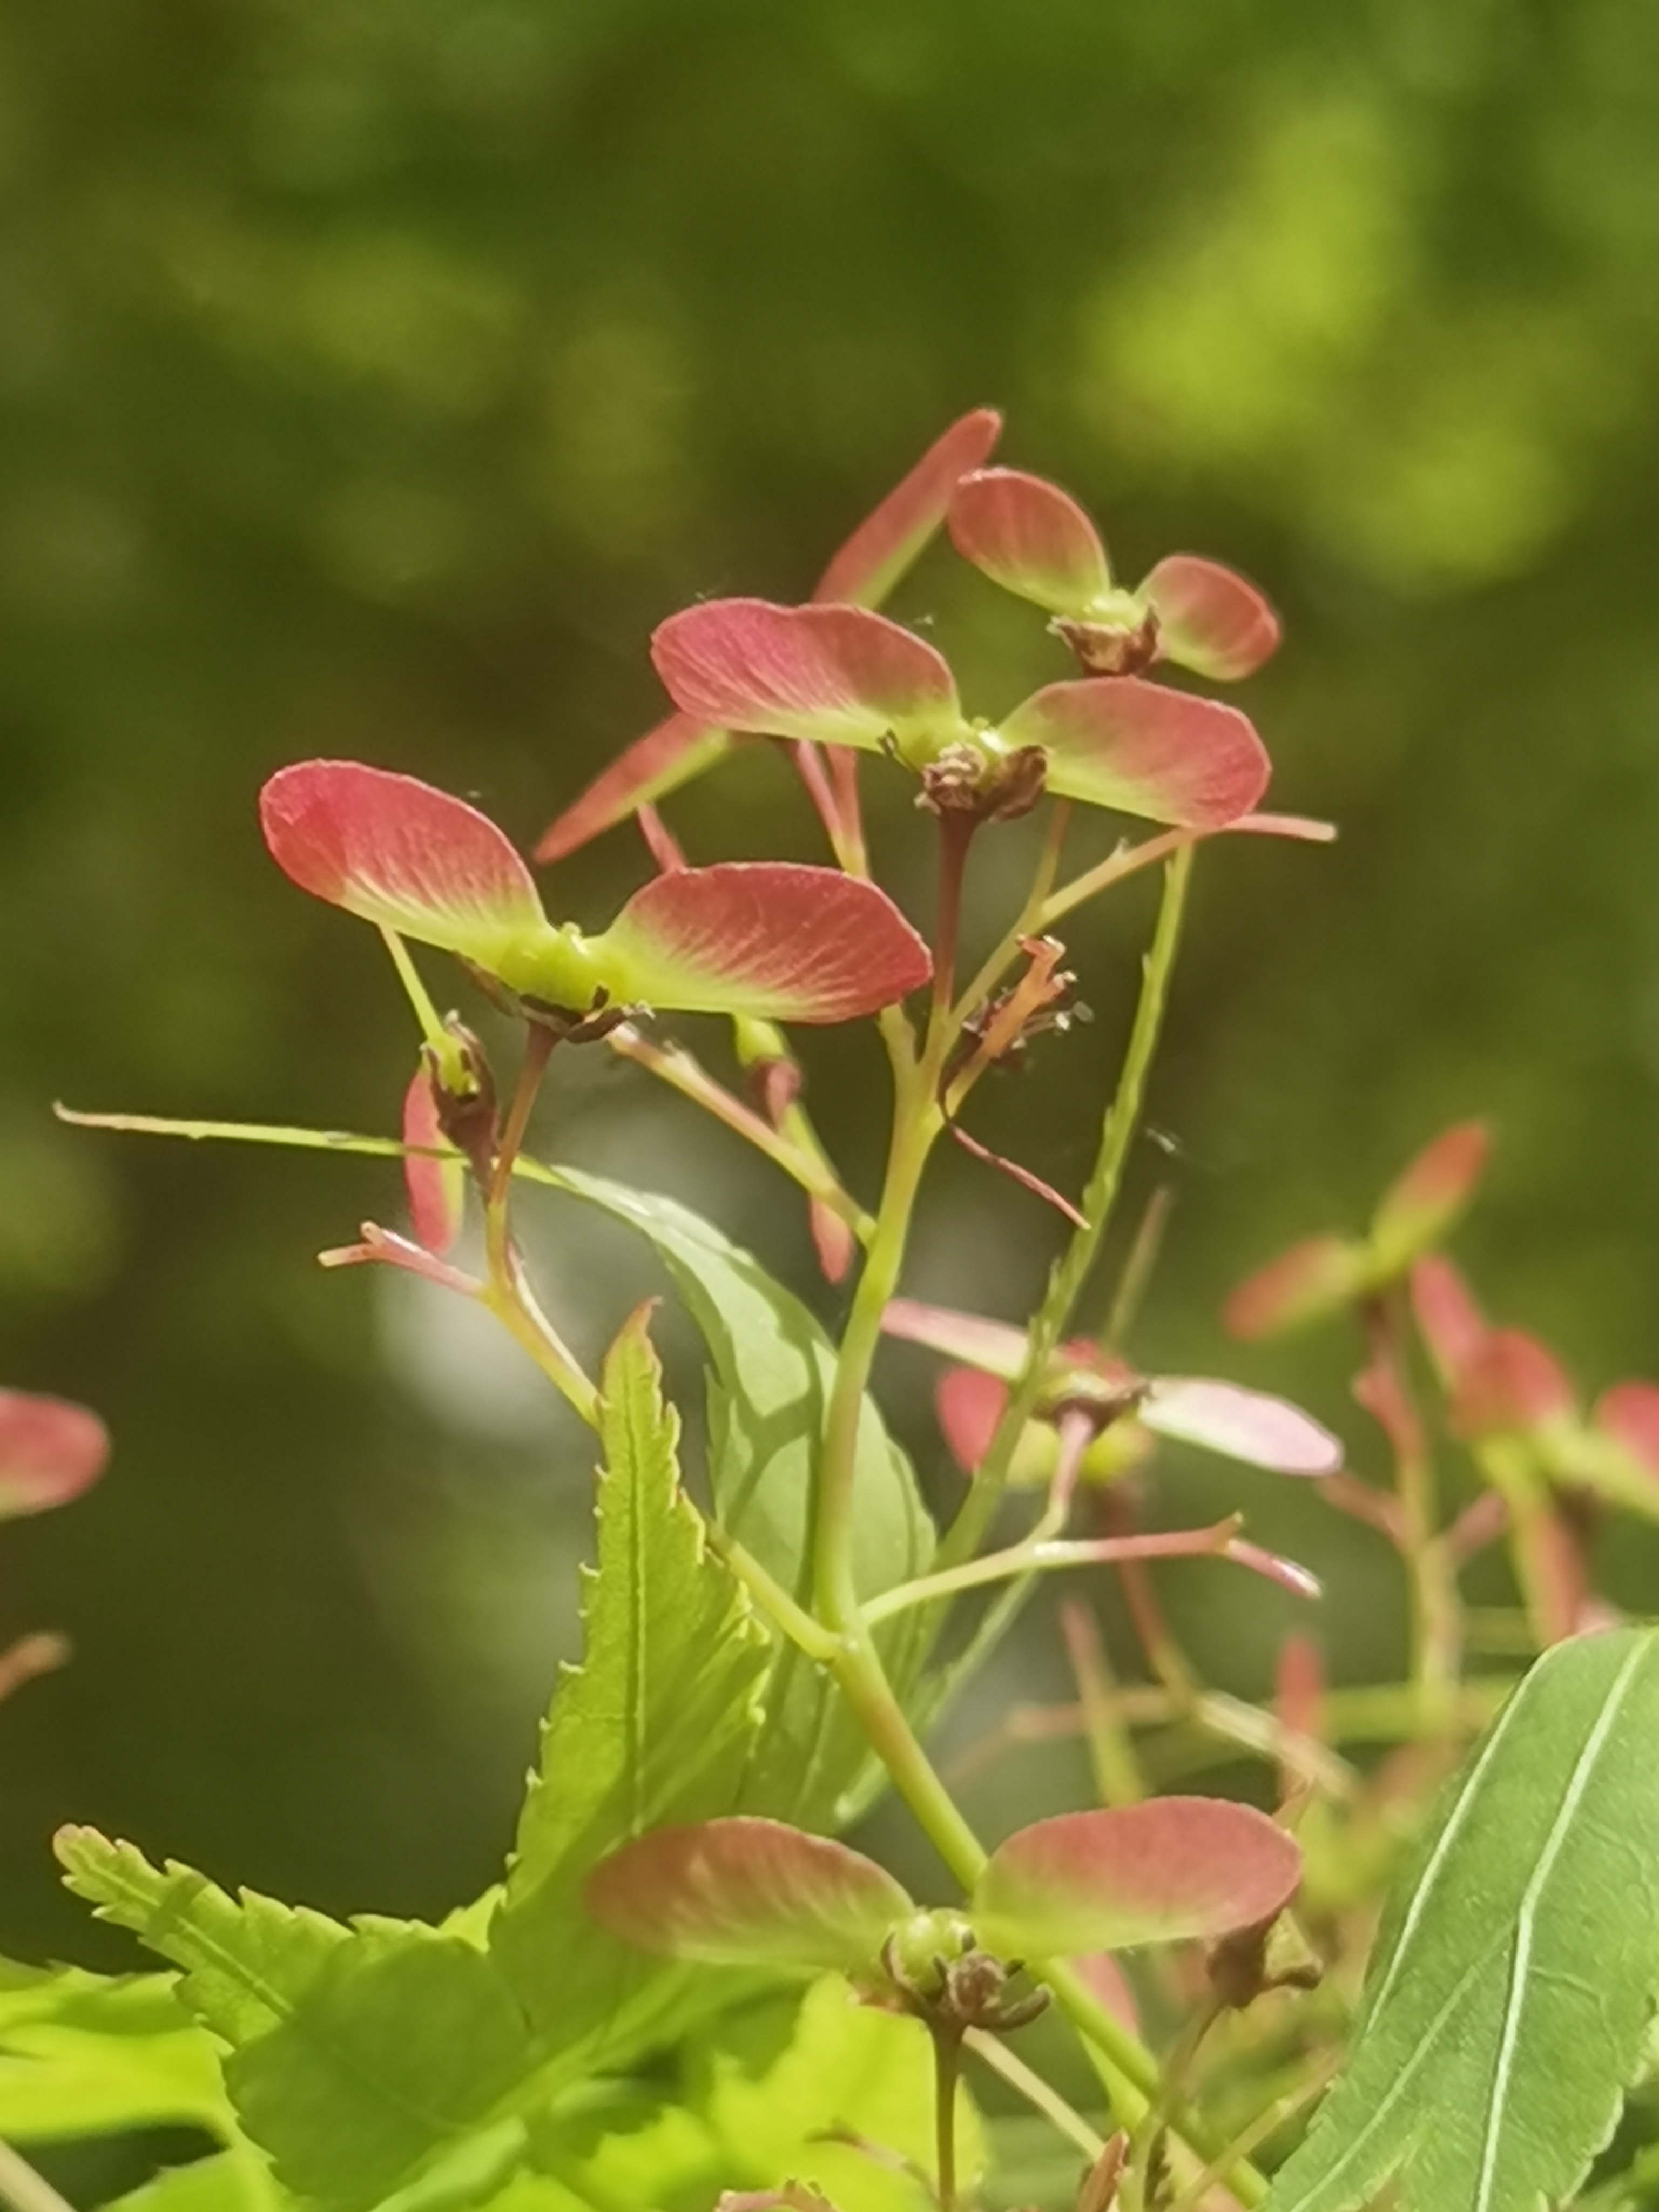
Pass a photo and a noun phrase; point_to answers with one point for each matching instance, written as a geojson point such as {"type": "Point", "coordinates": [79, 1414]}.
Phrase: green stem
{"type": "Point", "coordinates": [947, 2064]}
{"type": "Point", "coordinates": [1437, 1612]}
{"type": "Point", "coordinates": [1027, 2083]}
{"type": "Point", "coordinates": [1068, 1276]}
{"type": "Point", "coordinates": [1046, 1557]}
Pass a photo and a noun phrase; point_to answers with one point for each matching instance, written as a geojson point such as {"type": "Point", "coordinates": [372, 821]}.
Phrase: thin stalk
{"type": "Point", "coordinates": [1068, 1276]}
{"type": "Point", "coordinates": [24, 2189]}
{"type": "Point", "coordinates": [1118, 1778]}
{"type": "Point", "coordinates": [1046, 1558]}
{"type": "Point", "coordinates": [431, 1022]}
{"type": "Point", "coordinates": [1025, 2080]}
{"type": "Point", "coordinates": [947, 2065]}
{"type": "Point", "coordinates": [785, 1146]}
{"type": "Point", "coordinates": [1436, 1611]}
{"type": "Point", "coordinates": [1026, 923]}
{"type": "Point", "coordinates": [1145, 2144]}
{"type": "Point", "coordinates": [790, 1620]}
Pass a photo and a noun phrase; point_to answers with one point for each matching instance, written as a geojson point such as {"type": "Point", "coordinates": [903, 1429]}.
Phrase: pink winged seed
{"type": "Point", "coordinates": [1118, 741]}
{"type": "Point", "coordinates": [648, 769]}
{"type": "Point", "coordinates": [745, 1892]}
{"type": "Point", "coordinates": [1249, 1425]}
{"type": "Point", "coordinates": [1311, 1278]}
{"type": "Point", "coordinates": [1030, 538]}
{"type": "Point", "coordinates": [436, 1188]}
{"type": "Point", "coordinates": [1169, 1868]}
{"type": "Point", "coordinates": [840, 675]}
{"type": "Point", "coordinates": [396, 852]}
{"type": "Point", "coordinates": [769, 937]}
{"type": "Point", "coordinates": [51, 1450]}
{"type": "Point", "coordinates": [1209, 619]}
{"type": "Point", "coordinates": [1429, 1194]}
{"type": "Point", "coordinates": [890, 537]}
{"type": "Point", "coordinates": [862, 573]}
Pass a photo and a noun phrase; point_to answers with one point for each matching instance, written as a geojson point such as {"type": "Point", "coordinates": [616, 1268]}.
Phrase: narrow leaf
{"type": "Point", "coordinates": [768, 939]}
{"type": "Point", "coordinates": [397, 852]}
{"type": "Point", "coordinates": [1209, 619]}
{"type": "Point", "coordinates": [1171, 1868]}
{"type": "Point", "coordinates": [51, 1450]}
{"type": "Point", "coordinates": [1030, 538]}
{"type": "Point", "coordinates": [1142, 749]}
{"type": "Point", "coordinates": [644, 772]}
{"type": "Point", "coordinates": [839, 674]}
{"type": "Point", "coordinates": [657, 1727]}
{"type": "Point", "coordinates": [892, 536]}
{"type": "Point", "coordinates": [1513, 1985]}
{"type": "Point", "coordinates": [748, 1892]}
{"type": "Point", "coordinates": [1250, 1425]}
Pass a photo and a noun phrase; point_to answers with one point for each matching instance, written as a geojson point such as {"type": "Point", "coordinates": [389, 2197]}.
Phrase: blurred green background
{"type": "Point", "coordinates": [372, 378]}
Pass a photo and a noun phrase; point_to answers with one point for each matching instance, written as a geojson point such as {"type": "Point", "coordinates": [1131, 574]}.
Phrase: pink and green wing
{"type": "Point", "coordinates": [894, 535]}
{"type": "Point", "coordinates": [675, 753]}
{"type": "Point", "coordinates": [1209, 619]}
{"type": "Point", "coordinates": [840, 675]}
{"type": "Point", "coordinates": [1251, 1426]}
{"type": "Point", "coordinates": [1030, 538]}
{"type": "Point", "coordinates": [1173, 1867]}
{"type": "Point", "coordinates": [1429, 1195]}
{"type": "Point", "coordinates": [436, 1187]}
{"type": "Point", "coordinates": [1144, 750]}
{"type": "Point", "coordinates": [746, 1891]}
{"type": "Point", "coordinates": [51, 1450]}
{"type": "Point", "coordinates": [1312, 1279]}
{"type": "Point", "coordinates": [396, 852]}
{"type": "Point", "coordinates": [767, 938]}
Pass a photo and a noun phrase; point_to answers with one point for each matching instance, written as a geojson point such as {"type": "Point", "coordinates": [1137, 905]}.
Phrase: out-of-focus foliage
{"type": "Point", "coordinates": [373, 378]}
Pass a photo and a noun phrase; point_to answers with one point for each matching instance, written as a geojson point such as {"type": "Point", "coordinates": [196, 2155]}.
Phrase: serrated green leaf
{"type": "Point", "coordinates": [358, 2055]}
{"type": "Point", "coordinates": [772, 1368]}
{"type": "Point", "coordinates": [1516, 1973]}
{"type": "Point", "coordinates": [85, 2054]}
{"type": "Point", "coordinates": [237, 2181]}
{"type": "Point", "coordinates": [658, 1725]}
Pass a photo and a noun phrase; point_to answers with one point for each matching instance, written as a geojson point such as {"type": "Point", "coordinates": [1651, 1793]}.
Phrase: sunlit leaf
{"type": "Point", "coordinates": [772, 1368]}
{"type": "Point", "coordinates": [1143, 749]}
{"type": "Point", "coordinates": [397, 852]}
{"type": "Point", "coordinates": [358, 2055]}
{"type": "Point", "coordinates": [657, 1726]}
{"type": "Point", "coordinates": [1313, 1277]}
{"type": "Point", "coordinates": [748, 1892]}
{"type": "Point", "coordinates": [51, 1450]}
{"type": "Point", "coordinates": [789, 943]}
{"type": "Point", "coordinates": [1152, 1873]}
{"type": "Point", "coordinates": [888, 541]}
{"type": "Point", "coordinates": [1209, 619]}
{"type": "Point", "coordinates": [1030, 538]}
{"type": "Point", "coordinates": [839, 674]}
{"type": "Point", "coordinates": [1250, 1425]}
{"type": "Point", "coordinates": [83, 2054]}
{"type": "Point", "coordinates": [1513, 1985]}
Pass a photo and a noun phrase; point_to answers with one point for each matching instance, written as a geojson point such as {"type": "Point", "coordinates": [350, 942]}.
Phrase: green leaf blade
{"type": "Point", "coordinates": [657, 1727]}
{"type": "Point", "coordinates": [1517, 1972]}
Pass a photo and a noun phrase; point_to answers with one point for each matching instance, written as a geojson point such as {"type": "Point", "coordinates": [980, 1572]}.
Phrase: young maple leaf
{"type": "Point", "coordinates": [1035, 540]}
{"type": "Point", "coordinates": [773, 939]}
